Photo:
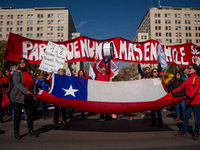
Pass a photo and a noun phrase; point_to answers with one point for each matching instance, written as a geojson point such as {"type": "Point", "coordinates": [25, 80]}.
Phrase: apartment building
{"type": "Point", "coordinates": [41, 23]}
{"type": "Point", "coordinates": [172, 25]}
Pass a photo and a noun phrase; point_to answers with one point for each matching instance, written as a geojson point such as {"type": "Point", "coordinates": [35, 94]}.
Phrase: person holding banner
{"type": "Point", "coordinates": [21, 95]}
{"type": "Point", "coordinates": [192, 96]}
{"type": "Point", "coordinates": [57, 108]}
{"type": "Point", "coordinates": [145, 75]}
{"type": "Point", "coordinates": [155, 74]}
{"type": "Point", "coordinates": [43, 84]}
{"type": "Point", "coordinates": [102, 76]}
{"type": "Point", "coordinates": [173, 85]}
{"type": "Point", "coordinates": [81, 74]}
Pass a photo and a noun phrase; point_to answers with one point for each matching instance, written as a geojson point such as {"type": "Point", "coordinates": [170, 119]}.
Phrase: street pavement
{"type": "Point", "coordinates": [90, 134]}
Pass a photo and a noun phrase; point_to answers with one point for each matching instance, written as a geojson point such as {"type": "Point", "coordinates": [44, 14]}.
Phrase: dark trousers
{"type": "Point", "coordinates": [29, 106]}
{"type": "Point", "coordinates": [153, 114]}
{"type": "Point", "coordinates": [56, 113]}
{"type": "Point", "coordinates": [106, 116]}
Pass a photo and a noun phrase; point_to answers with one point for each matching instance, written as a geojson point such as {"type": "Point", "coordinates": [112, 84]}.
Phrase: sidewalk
{"type": "Point", "coordinates": [89, 134]}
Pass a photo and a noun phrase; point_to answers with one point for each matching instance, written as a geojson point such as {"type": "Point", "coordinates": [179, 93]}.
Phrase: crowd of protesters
{"type": "Point", "coordinates": [21, 84]}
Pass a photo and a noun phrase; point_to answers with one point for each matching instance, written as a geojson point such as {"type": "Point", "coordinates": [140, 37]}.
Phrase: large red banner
{"type": "Point", "coordinates": [86, 49]}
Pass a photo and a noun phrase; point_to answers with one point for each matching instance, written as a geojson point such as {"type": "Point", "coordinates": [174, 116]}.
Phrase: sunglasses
{"type": "Point", "coordinates": [22, 62]}
{"type": "Point", "coordinates": [191, 68]}
{"type": "Point", "coordinates": [155, 71]}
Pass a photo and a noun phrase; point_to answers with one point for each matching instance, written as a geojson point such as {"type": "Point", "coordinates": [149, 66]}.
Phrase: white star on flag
{"type": "Point", "coordinates": [70, 91]}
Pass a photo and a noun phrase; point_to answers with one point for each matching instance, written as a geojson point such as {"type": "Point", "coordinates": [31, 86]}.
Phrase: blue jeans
{"type": "Point", "coordinates": [188, 111]}
{"type": "Point", "coordinates": [182, 104]}
{"type": "Point", "coordinates": [153, 114]}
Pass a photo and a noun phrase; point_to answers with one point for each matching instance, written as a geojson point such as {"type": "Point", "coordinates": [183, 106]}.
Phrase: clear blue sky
{"type": "Point", "coordinates": [102, 19]}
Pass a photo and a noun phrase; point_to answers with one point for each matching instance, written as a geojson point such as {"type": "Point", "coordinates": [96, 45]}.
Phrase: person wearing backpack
{"type": "Point", "coordinates": [192, 96]}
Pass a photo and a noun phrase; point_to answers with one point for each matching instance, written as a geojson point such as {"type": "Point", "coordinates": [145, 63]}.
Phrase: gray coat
{"type": "Point", "coordinates": [19, 91]}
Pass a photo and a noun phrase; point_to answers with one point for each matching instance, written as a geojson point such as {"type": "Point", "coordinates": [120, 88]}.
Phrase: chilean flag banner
{"type": "Point", "coordinates": [107, 97]}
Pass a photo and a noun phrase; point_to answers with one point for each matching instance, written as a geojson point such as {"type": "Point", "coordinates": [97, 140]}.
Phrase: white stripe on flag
{"type": "Point", "coordinates": [144, 90]}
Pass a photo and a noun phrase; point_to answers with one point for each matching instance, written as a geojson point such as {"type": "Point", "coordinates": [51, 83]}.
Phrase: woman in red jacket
{"type": "Point", "coordinates": [192, 95]}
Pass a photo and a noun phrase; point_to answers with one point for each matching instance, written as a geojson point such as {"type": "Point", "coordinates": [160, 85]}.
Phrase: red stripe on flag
{"type": "Point", "coordinates": [110, 107]}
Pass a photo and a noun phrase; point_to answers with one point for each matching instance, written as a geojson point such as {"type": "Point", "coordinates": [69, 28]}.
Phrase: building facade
{"type": "Point", "coordinates": [42, 23]}
{"type": "Point", "coordinates": [172, 26]}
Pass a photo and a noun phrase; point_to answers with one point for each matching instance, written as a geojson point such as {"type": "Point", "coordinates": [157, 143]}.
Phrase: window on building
{"type": "Point", "coordinates": [1, 16]}
{"type": "Point", "coordinates": [167, 27]}
{"type": "Point", "coordinates": [39, 28]}
{"type": "Point", "coordinates": [187, 15]}
{"type": "Point", "coordinates": [8, 29]}
{"type": "Point", "coordinates": [40, 22]}
{"type": "Point", "coordinates": [187, 21]}
{"type": "Point", "coordinates": [39, 15]}
{"type": "Point", "coordinates": [49, 21]}
{"type": "Point", "coordinates": [177, 21]}
{"type": "Point", "coordinates": [9, 16]}
{"type": "Point", "coordinates": [50, 28]}
{"type": "Point", "coordinates": [9, 23]}
{"type": "Point", "coordinates": [29, 28]}
{"type": "Point", "coordinates": [197, 40]}
{"type": "Point", "coordinates": [188, 40]}
{"type": "Point", "coordinates": [1, 29]}
{"type": "Point", "coordinates": [30, 16]}
{"type": "Point", "coordinates": [168, 40]}
{"type": "Point", "coordinates": [168, 34]}
{"type": "Point", "coordinates": [196, 15]}
{"type": "Point", "coordinates": [189, 34]}
{"type": "Point", "coordinates": [19, 22]}
{"type": "Point", "coordinates": [167, 15]}
{"type": "Point", "coordinates": [197, 34]}
{"type": "Point", "coordinates": [197, 22]}
{"type": "Point", "coordinates": [157, 27]}
{"type": "Point", "coordinates": [1, 36]}
{"type": "Point", "coordinates": [19, 16]}
{"type": "Point", "coordinates": [60, 28]}
{"type": "Point", "coordinates": [178, 40]}
{"type": "Point", "coordinates": [1, 23]}
{"type": "Point", "coordinates": [197, 28]}
{"type": "Point", "coordinates": [50, 15]}
{"type": "Point", "coordinates": [187, 28]}
{"type": "Point", "coordinates": [177, 16]}
{"type": "Point", "coordinates": [19, 28]}
{"type": "Point", "coordinates": [178, 28]}
{"type": "Point", "coordinates": [167, 21]}
{"type": "Point", "coordinates": [60, 15]}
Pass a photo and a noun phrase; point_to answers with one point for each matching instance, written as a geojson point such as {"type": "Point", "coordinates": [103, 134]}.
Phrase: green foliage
{"type": "Point", "coordinates": [172, 69]}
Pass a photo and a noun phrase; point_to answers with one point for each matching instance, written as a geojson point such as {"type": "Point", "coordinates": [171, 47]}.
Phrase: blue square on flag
{"type": "Point", "coordinates": [69, 87]}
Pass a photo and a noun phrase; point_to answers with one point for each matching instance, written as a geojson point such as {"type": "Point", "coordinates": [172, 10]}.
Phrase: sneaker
{"type": "Point", "coordinates": [17, 136]}
{"type": "Point", "coordinates": [130, 118]}
{"type": "Point", "coordinates": [105, 121]}
{"type": "Point", "coordinates": [32, 134]}
{"type": "Point", "coordinates": [100, 119]}
{"type": "Point", "coordinates": [177, 119]}
{"type": "Point", "coordinates": [195, 136]}
{"type": "Point", "coordinates": [180, 134]}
